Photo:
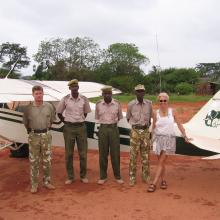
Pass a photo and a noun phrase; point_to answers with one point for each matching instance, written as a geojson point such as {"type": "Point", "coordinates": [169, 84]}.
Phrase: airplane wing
{"type": "Point", "coordinates": [21, 90]}
{"type": "Point", "coordinates": [88, 89]}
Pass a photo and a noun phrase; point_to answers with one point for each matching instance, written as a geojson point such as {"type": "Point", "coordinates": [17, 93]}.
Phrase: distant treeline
{"type": "Point", "coordinates": [120, 65]}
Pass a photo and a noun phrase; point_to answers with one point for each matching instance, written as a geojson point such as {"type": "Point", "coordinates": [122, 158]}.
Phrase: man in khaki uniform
{"type": "Point", "coordinates": [38, 118]}
{"type": "Point", "coordinates": [139, 114]}
{"type": "Point", "coordinates": [72, 110]}
{"type": "Point", "coordinates": [108, 112]}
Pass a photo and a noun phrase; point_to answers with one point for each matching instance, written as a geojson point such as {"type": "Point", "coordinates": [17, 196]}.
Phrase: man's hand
{"type": "Point", "coordinates": [60, 116]}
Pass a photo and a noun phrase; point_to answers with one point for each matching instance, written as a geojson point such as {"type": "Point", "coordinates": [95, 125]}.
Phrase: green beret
{"type": "Point", "coordinates": [139, 87]}
{"type": "Point", "coordinates": [107, 89]}
{"type": "Point", "coordinates": [73, 82]}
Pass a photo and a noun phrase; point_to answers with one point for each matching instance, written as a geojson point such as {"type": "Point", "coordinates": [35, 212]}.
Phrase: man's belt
{"type": "Point", "coordinates": [109, 125]}
{"type": "Point", "coordinates": [38, 131]}
{"type": "Point", "coordinates": [141, 127]}
{"type": "Point", "coordinates": [74, 123]}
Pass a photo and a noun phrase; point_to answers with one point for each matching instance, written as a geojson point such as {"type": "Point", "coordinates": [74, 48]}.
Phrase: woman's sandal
{"type": "Point", "coordinates": [151, 188]}
{"type": "Point", "coordinates": [163, 184]}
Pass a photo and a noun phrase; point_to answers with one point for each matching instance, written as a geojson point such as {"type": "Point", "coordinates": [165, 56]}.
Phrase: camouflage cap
{"type": "Point", "coordinates": [73, 82]}
{"type": "Point", "coordinates": [107, 89]}
{"type": "Point", "coordinates": [139, 87]}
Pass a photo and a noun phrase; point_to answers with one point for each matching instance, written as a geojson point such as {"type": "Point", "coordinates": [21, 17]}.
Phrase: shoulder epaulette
{"type": "Point", "coordinates": [116, 101]}
{"type": "Point", "coordinates": [99, 101]}
{"type": "Point", "coordinates": [66, 96]}
{"type": "Point", "coordinates": [83, 97]}
{"type": "Point", "coordinates": [132, 102]}
{"type": "Point", "coordinates": [149, 101]}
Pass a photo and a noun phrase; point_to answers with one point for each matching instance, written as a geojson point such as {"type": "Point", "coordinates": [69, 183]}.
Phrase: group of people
{"type": "Point", "coordinates": [72, 110]}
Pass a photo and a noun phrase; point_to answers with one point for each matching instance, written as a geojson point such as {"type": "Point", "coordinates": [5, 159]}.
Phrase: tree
{"type": "Point", "coordinates": [175, 75]}
{"type": "Point", "coordinates": [4, 72]}
{"type": "Point", "coordinates": [68, 58]}
{"type": "Point", "coordinates": [58, 71]}
{"type": "Point", "coordinates": [125, 58]}
{"type": "Point", "coordinates": [184, 88]}
{"type": "Point", "coordinates": [77, 53]}
{"type": "Point", "coordinates": [82, 53]}
{"type": "Point", "coordinates": [50, 51]}
{"type": "Point", "coordinates": [209, 70]}
{"type": "Point", "coordinates": [41, 72]}
{"type": "Point", "coordinates": [14, 56]}
{"type": "Point", "coordinates": [121, 59]}
{"type": "Point", "coordinates": [170, 78]}
{"type": "Point", "coordinates": [125, 83]}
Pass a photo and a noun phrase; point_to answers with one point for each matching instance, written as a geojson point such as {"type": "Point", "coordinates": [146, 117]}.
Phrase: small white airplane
{"type": "Point", "coordinates": [203, 128]}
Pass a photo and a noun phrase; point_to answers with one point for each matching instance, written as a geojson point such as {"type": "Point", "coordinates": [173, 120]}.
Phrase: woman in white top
{"type": "Point", "coordinates": [164, 136]}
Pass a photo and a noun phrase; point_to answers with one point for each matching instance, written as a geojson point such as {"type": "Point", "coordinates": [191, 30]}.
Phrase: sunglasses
{"type": "Point", "coordinates": [163, 100]}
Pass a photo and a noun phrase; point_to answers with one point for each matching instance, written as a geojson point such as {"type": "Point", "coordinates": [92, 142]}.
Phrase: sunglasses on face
{"type": "Point", "coordinates": [163, 100]}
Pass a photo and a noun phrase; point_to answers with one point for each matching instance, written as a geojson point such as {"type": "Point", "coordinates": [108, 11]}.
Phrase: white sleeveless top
{"type": "Point", "coordinates": [165, 125]}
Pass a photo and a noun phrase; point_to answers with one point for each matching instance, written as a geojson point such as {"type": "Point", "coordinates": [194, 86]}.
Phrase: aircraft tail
{"type": "Point", "coordinates": [204, 127]}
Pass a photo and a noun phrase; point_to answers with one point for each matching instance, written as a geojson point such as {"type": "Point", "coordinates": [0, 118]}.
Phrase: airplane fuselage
{"type": "Point", "coordinates": [12, 128]}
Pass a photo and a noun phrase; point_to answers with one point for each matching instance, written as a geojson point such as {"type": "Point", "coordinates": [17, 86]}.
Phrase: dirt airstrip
{"type": "Point", "coordinates": [193, 189]}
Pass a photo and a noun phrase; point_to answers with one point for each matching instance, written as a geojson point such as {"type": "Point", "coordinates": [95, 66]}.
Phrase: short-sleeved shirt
{"type": "Point", "coordinates": [108, 113]}
{"type": "Point", "coordinates": [74, 109]}
{"type": "Point", "coordinates": [139, 113]}
{"type": "Point", "coordinates": [39, 117]}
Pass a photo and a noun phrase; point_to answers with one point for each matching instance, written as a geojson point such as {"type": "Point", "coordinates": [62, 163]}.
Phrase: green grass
{"type": "Point", "coordinates": [125, 98]}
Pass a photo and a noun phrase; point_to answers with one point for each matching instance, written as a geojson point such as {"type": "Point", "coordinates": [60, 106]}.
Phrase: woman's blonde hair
{"type": "Point", "coordinates": [163, 94]}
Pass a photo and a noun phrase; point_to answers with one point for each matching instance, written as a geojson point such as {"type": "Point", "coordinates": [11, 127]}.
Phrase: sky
{"type": "Point", "coordinates": [186, 32]}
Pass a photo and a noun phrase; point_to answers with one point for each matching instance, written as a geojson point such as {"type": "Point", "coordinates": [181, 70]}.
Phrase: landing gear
{"type": "Point", "coordinates": [19, 150]}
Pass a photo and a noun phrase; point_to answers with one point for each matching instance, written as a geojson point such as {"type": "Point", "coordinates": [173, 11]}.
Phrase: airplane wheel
{"type": "Point", "coordinates": [22, 152]}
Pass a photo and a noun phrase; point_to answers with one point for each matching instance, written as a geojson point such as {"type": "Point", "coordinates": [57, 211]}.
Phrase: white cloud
{"type": "Point", "coordinates": [187, 30]}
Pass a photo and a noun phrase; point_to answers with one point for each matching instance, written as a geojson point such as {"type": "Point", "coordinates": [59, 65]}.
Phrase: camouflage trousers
{"type": "Point", "coordinates": [40, 149]}
{"type": "Point", "coordinates": [139, 141]}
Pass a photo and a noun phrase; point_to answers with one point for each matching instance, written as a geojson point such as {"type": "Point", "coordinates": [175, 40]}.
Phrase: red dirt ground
{"type": "Point", "coordinates": [193, 191]}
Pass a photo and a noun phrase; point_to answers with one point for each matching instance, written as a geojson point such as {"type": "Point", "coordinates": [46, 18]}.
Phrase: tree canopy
{"type": "Point", "coordinates": [13, 57]}
{"type": "Point", "coordinates": [10, 53]}
{"type": "Point", "coordinates": [119, 65]}
{"type": "Point", "coordinates": [82, 58]}
{"type": "Point", "coordinates": [209, 70]}
{"type": "Point", "coordinates": [170, 78]}
{"type": "Point", "coordinates": [78, 53]}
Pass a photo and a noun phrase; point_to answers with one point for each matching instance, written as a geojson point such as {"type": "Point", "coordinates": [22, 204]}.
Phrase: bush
{"type": "Point", "coordinates": [184, 88]}
{"type": "Point", "coordinates": [124, 83]}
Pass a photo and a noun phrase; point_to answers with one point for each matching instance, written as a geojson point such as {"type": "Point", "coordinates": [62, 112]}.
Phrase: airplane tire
{"type": "Point", "coordinates": [22, 152]}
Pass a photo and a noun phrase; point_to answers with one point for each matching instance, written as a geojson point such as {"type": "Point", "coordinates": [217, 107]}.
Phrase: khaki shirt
{"type": "Point", "coordinates": [139, 114]}
{"type": "Point", "coordinates": [108, 113]}
{"type": "Point", "coordinates": [72, 109]}
{"type": "Point", "coordinates": [39, 117]}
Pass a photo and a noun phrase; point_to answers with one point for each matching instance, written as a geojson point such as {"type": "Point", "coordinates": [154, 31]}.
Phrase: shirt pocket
{"type": "Point", "coordinates": [81, 108]}
{"type": "Point", "coordinates": [101, 112]}
{"type": "Point", "coordinates": [114, 114]}
{"type": "Point", "coordinates": [136, 116]}
{"type": "Point", "coordinates": [47, 114]}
